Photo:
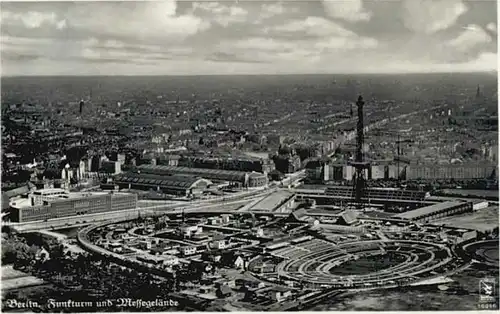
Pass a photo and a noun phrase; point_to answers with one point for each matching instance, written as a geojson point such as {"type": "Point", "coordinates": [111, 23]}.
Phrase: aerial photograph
{"type": "Point", "coordinates": [244, 155]}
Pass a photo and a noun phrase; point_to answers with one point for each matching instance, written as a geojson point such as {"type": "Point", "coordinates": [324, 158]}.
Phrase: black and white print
{"type": "Point", "coordinates": [336, 155]}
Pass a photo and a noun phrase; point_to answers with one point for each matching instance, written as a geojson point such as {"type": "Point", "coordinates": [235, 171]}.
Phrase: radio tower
{"type": "Point", "coordinates": [359, 164]}
{"type": "Point", "coordinates": [82, 103]}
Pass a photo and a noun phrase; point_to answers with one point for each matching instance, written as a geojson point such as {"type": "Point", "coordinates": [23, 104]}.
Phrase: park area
{"type": "Point", "coordinates": [15, 279]}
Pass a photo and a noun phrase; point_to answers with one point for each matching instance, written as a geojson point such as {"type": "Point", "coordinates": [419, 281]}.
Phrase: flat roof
{"type": "Point", "coordinates": [386, 189]}
{"type": "Point", "coordinates": [50, 190]}
{"type": "Point", "coordinates": [372, 199]}
{"type": "Point", "coordinates": [20, 203]}
{"type": "Point", "coordinates": [80, 195]}
{"type": "Point", "coordinates": [429, 209]}
{"type": "Point", "coordinates": [26, 202]}
{"type": "Point", "coordinates": [213, 174]}
{"type": "Point", "coordinates": [257, 155]}
{"type": "Point", "coordinates": [270, 202]}
{"type": "Point", "coordinates": [169, 181]}
{"type": "Point", "coordinates": [309, 191]}
{"type": "Point", "coordinates": [24, 189]}
{"type": "Point", "coordinates": [479, 201]}
{"type": "Point", "coordinates": [314, 187]}
{"type": "Point", "coordinates": [276, 245]}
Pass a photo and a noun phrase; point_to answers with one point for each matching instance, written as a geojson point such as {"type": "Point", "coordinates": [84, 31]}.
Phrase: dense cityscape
{"type": "Point", "coordinates": [179, 156]}
{"type": "Point", "coordinates": [218, 213]}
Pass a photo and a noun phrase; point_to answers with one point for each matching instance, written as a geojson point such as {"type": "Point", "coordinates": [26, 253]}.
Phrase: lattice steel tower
{"type": "Point", "coordinates": [82, 103]}
{"type": "Point", "coordinates": [360, 165]}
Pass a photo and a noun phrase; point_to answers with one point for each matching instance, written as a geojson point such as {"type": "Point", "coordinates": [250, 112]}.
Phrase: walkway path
{"type": "Point", "coordinates": [59, 236]}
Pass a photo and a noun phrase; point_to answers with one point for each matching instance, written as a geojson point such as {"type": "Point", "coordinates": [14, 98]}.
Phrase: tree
{"type": "Point", "coordinates": [57, 251]}
{"type": "Point", "coordinates": [160, 225]}
{"type": "Point", "coordinates": [32, 250]}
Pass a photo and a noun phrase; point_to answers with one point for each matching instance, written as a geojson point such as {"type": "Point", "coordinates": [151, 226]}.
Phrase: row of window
{"type": "Point", "coordinates": [67, 209]}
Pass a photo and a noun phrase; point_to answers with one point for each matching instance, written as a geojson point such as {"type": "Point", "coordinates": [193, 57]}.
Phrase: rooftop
{"type": "Point", "coordinates": [170, 181]}
{"type": "Point", "coordinates": [349, 216]}
{"type": "Point", "coordinates": [227, 175]}
{"type": "Point", "coordinates": [16, 192]}
{"type": "Point", "coordinates": [21, 203]}
{"type": "Point", "coordinates": [49, 191]}
{"type": "Point", "coordinates": [429, 209]}
{"type": "Point", "coordinates": [26, 202]}
{"type": "Point", "coordinates": [272, 201]}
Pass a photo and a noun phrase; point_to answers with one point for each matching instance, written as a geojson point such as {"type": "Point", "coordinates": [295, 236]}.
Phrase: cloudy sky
{"type": "Point", "coordinates": [248, 37]}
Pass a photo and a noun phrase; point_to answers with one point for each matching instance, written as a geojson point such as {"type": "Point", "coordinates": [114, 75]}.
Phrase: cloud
{"type": "Point", "coordinates": [347, 43]}
{"type": "Point", "coordinates": [90, 50]}
{"type": "Point", "coordinates": [220, 56]}
{"type": "Point", "coordinates": [312, 26]}
{"type": "Point", "coordinates": [153, 20]}
{"type": "Point", "coordinates": [115, 50]}
{"type": "Point", "coordinates": [261, 50]}
{"type": "Point", "coordinates": [266, 49]}
{"type": "Point", "coordinates": [61, 24]}
{"type": "Point", "coordinates": [430, 16]}
{"type": "Point", "coordinates": [31, 19]}
{"type": "Point", "coordinates": [18, 57]}
{"type": "Point", "coordinates": [349, 10]}
{"type": "Point", "coordinates": [324, 34]}
{"type": "Point", "coordinates": [114, 44]}
{"type": "Point", "coordinates": [269, 10]}
{"type": "Point", "coordinates": [213, 7]}
{"type": "Point", "coordinates": [485, 62]}
{"type": "Point", "coordinates": [208, 37]}
{"type": "Point", "coordinates": [491, 27]}
{"type": "Point", "coordinates": [471, 37]}
{"type": "Point", "coordinates": [148, 21]}
{"type": "Point", "coordinates": [236, 15]}
{"type": "Point", "coordinates": [257, 43]}
{"type": "Point", "coordinates": [221, 14]}
{"type": "Point", "coordinates": [89, 55]}
{"type": "Point", "coordinates": [25, 46]}
{"type": "Point", "coordinates": [270, 52]}
{"type": "Point", "coordinates": [272, 9]}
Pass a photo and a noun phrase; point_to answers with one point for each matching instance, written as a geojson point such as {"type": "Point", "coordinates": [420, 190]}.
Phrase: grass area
{"type": "Point", "coordinates": [481, 219]}
{"type": "Point", "coordinates": [15, 279]}
{"type": "Point", "coordinates": [8, 272]}
{"type": "Point", "coordinates": [491, 253]}
{"type": "Point", "coordinates": [368, 264]}
{"type": "Point", "coordinates": [462, 297]}
{"type": "Point", "coordinates": [392, 300]}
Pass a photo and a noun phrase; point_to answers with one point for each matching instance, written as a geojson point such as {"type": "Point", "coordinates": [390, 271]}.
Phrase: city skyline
{"type": "Point", "coordinates": [243, 37]}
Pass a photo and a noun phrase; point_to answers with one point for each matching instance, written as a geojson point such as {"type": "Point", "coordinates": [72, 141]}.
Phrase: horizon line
{"type": "Point", "coordinates": [247, 74]}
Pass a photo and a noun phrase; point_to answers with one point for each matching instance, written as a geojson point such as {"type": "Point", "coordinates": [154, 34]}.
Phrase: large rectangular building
{"type": "Point", "coordinates": [253, 179]}
{"type": "Point", "coordinates": [71, 204]}
{"type": "Point", "coordinates": [460, 171]}
{"type": "Point", "coordinates": [378, 172]}
{"type": "Point", "coordinates": [377, 193]}
{"type": "Point", "coordinates": [173, 185]}
{"type": "Point", "coordinates": [440, 210]}
{"type": "Point", "coordinates": [235, 163]}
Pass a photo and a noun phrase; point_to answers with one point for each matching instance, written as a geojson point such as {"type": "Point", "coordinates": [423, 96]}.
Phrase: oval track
{"type": "Point", "coordinates": [484, 252]}
{"type": "Point", "coordinates": [320, 262]}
